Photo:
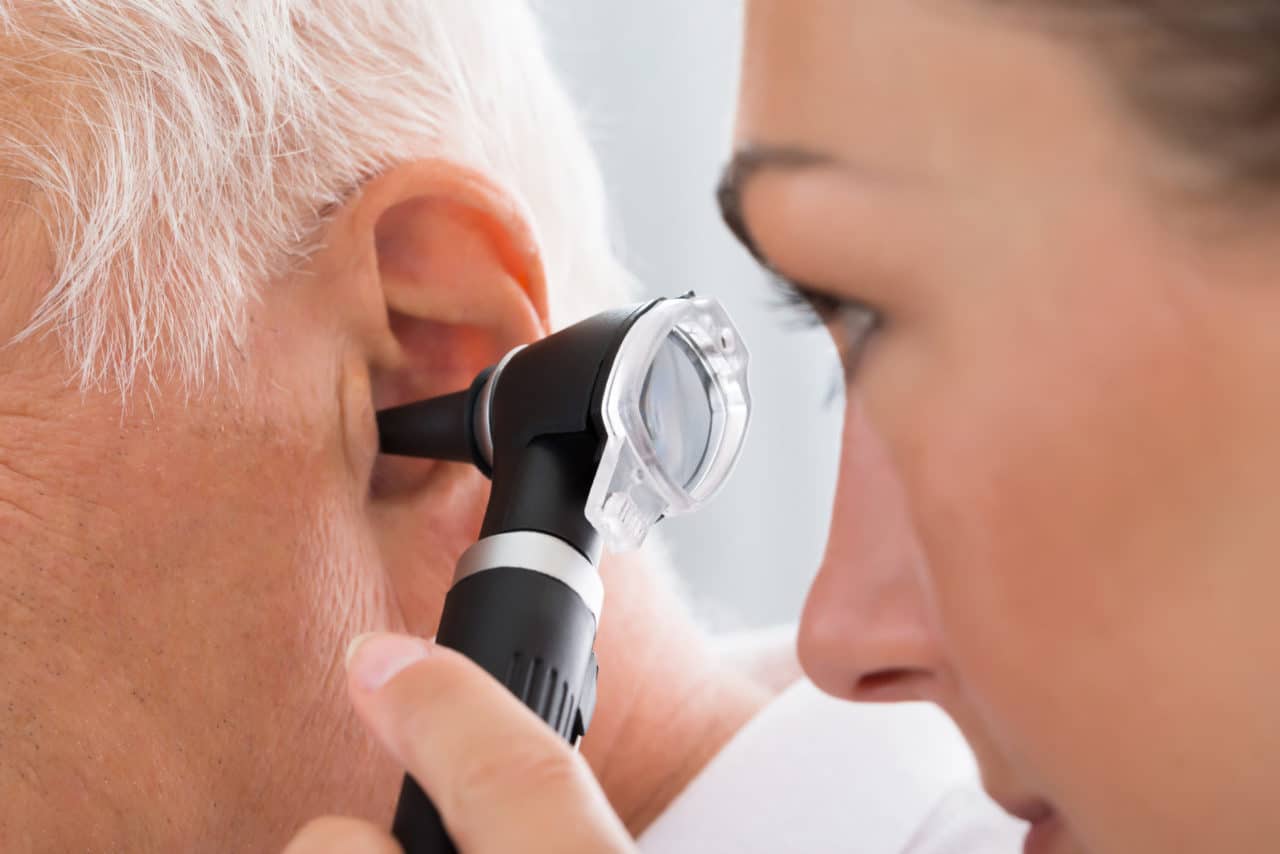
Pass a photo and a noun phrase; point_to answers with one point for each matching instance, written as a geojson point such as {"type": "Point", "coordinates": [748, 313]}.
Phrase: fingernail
{"type": "Point", "coordinates": [375, 658]}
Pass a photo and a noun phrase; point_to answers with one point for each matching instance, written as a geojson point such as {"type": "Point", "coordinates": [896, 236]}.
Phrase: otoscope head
{"type": "Point", "coordinates": [599, 430]}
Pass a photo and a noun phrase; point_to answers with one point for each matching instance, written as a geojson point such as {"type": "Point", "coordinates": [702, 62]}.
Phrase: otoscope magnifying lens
{"type": "Point", "coordinates": [675, 409]}
{"type": "Point", "coordinates": [675, 405]}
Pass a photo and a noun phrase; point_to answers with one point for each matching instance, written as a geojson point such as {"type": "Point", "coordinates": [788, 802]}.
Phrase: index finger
{"type": "Point", "coordinates": [500, 777]}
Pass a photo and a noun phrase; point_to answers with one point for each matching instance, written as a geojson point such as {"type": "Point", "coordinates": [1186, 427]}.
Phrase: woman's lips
{"type": "Point", "coordinates": [1045, 828]}
{"type": "Point", "coordinates": [1044, 835]}
{"type": "Point", "coordinates": [1032, 812]}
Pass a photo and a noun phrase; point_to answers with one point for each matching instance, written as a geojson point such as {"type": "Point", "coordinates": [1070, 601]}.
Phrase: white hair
{"type": "Point", "coordinates": [184, 152]}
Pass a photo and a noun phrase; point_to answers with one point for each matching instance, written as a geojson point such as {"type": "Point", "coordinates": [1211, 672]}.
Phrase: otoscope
{"type": "Point", "coordinates": [591, 436]}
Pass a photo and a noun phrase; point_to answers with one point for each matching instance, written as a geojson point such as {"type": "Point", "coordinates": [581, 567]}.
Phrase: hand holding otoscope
{"type": "Point", "coordinates": [591, 436]}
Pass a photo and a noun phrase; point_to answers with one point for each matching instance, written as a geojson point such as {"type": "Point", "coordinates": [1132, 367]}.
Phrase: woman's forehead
{"type": "Point", "coordinates": [910, 87]}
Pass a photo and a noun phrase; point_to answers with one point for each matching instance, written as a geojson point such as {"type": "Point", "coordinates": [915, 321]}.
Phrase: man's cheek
{"type": "Point", "coordinates": [421, 537]}
{"type": "Point", "coordinates": [344, 588]}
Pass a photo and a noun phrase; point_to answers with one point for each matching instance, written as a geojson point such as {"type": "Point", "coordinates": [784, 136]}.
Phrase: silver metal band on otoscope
{"type": "Point", "coordinates": [484, 408]}
{"type": "Point", "coordinates": [536, 552]}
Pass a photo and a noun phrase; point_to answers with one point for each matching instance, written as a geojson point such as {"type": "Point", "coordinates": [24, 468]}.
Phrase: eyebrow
{"type": "Point", "coordinates": [748, 161]}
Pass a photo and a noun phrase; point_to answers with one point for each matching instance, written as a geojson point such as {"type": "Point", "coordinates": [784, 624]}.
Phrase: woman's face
{"type": "Point", "coordinates": [1058, 512]}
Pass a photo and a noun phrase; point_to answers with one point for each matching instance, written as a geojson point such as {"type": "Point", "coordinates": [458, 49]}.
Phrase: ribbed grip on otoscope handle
{"type": "Point", "coordinates": [534, 634]}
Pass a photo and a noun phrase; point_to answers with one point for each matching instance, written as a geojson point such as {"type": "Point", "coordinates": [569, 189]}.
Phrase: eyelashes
{"type": "Point", "coordinates": [804, 307]}
{"type": "Point", "coordinates": [851, 322]}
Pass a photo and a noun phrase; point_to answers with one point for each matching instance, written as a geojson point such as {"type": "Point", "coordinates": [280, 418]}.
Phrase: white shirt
{"type": "Point", "coordinates": [813, 774]}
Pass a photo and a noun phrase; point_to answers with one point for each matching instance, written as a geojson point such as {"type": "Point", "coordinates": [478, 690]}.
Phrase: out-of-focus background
{"type": "Point", "coordinates": [656, 81]}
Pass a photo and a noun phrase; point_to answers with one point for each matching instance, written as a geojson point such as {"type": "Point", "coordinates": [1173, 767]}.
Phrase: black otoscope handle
{"type": "Point", "coordinates": [534, 634]}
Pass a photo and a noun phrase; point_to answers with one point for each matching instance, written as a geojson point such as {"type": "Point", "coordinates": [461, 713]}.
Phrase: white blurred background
{"type": "Point", "coordinates": [656, 81]}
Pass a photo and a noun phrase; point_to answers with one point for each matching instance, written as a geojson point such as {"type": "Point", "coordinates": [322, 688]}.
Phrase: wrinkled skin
{"type": "Point", "coordinates": [180, 575]}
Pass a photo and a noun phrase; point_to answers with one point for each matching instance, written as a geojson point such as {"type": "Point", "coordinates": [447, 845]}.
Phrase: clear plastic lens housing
{"type": "Point", "coordinates": [676, 410]}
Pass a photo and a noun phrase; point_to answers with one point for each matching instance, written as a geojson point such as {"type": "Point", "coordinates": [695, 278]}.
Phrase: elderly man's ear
{"type": "Point", "coordinates": [448, 277]}
{"type": "Point", "coordinates": [431, 274]}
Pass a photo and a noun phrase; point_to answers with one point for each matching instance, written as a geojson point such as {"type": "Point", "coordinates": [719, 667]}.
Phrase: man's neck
{"type": "Point", "coordinates": [675, 709]}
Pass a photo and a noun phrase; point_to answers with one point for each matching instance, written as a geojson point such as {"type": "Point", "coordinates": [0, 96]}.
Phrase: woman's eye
{"type": "Point", "coordinates": [852, 323]}
{"type": "Point", "coordinates": [853, 326]}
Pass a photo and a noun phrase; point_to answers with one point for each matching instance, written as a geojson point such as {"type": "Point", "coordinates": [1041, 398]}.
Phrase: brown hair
{"type": "Point", "coordinates": [1205, 74]}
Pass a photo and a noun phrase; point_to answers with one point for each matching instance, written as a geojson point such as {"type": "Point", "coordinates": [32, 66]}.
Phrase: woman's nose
{"type": "Point", "coordinates": [868, 633]}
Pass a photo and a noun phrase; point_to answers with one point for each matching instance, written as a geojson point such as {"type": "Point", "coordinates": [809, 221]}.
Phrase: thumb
{"type": "Point", "coordinates": [500, 777]}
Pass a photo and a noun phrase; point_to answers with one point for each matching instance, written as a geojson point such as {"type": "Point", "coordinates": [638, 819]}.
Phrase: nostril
{"type": "Point", "coordinates": [893, 685]}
